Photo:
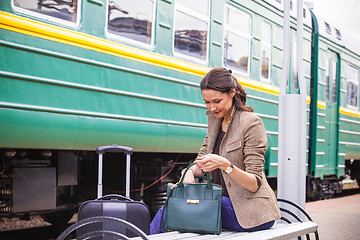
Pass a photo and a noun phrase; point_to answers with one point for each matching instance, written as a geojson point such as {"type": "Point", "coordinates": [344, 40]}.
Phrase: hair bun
{"type": "Point", "coordinates": [229, 70]}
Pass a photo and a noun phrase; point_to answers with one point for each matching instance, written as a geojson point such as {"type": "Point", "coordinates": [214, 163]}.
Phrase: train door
{"type": "Point", "coordinates": [332, 111]}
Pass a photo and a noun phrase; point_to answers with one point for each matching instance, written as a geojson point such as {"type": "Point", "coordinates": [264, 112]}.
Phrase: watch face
{"type": "Point", "coordinates": [228, 169]}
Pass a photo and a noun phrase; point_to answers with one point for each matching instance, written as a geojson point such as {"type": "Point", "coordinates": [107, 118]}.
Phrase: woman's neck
{"type": "Point", "coordinates": [227, 116]}
{"type": "Point", "coordinates": [225, 124]}
{"type": "Point", "coordinates": [226, 120]}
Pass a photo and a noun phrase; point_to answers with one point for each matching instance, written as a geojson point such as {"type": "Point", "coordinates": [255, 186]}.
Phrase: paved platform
{"type": "Point", "coordinates": [338, 218]}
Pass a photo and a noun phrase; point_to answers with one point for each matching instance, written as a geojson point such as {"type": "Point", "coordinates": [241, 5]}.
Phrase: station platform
{"type": "Point", "coordinates": [337, 218]}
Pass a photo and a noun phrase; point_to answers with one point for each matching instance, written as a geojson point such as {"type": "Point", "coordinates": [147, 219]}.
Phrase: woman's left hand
{"type": "Point", "coordinates": [210, 162]}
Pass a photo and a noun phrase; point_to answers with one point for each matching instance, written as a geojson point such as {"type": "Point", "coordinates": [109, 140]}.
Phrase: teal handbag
{"type": "Point", "coordinates": [193, 207]}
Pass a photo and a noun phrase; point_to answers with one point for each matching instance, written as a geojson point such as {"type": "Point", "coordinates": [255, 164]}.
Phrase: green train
{"type": "Point", "coordinates": [79, 74]}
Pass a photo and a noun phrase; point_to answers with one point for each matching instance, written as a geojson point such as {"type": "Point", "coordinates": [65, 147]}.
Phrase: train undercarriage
{"type": "Point", "coordinates": [53, 183]}
{"type": "Point", "coordinates": [326, 188]}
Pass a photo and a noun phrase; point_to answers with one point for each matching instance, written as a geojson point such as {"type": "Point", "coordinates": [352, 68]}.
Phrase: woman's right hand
{"type": "Point", "coordinates": [189, 177]}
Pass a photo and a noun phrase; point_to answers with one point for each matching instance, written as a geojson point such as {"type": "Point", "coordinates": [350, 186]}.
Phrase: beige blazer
{"type": "Point", "coordinates": [244, 145]}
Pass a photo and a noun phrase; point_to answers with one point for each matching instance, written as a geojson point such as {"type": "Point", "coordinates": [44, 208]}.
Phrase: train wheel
{"type": "Point", "coordinates": [313, 192]}
{"type": "Point", "coordinates": [326, 190]}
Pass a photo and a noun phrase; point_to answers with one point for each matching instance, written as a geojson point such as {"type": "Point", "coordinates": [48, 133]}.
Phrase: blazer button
{"type": "Point", "coordinates": [229, 185]}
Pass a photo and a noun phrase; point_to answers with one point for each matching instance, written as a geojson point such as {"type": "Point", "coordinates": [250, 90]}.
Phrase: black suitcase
{"type": "Point", "coordinates": [113, 205]}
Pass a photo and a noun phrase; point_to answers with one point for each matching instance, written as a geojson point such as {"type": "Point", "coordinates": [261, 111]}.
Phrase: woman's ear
{"type": "Point", "coordinates": [232, 92]}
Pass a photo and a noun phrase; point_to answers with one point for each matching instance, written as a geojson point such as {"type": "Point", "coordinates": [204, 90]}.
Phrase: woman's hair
{"type": "Point", "coordinates": [221, 79]}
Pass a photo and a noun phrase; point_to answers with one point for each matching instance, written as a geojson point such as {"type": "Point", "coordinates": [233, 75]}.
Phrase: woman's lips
{"type": "Point", "coordinates": [217, 113]}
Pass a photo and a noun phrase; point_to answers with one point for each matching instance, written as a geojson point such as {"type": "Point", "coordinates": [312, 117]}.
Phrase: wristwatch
{"type": "Point", "coordinates": [229, 168]}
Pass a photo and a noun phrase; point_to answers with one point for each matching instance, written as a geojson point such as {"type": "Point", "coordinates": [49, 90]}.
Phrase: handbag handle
{"type": "Point", "coordinates": [180, 184]}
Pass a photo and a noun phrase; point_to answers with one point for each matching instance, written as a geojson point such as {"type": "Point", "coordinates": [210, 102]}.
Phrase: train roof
{"type": "Point", "coordinates": [278, 4]}
{"type": "Point", "coordinates": [330, 31]}
{"type": "Point", "coordinates": [326, 29]}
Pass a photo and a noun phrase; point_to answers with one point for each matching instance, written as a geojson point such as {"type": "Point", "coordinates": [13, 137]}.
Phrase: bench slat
{"type": "Point", "coordinates": [283, 232]}
{"type": "Point", "coordinates": [223, 235]}
{"type": "Point", "coordinates": [278, 232]}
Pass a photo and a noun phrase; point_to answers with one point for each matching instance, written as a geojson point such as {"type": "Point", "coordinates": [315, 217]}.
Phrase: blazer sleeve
{"type": "Point", "coordinates": [254, 146]}
{"type": "Point", "coordinates": [204, 148]}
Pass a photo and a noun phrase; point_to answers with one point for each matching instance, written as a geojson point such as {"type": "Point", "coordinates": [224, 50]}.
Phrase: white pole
{"type": "Point", "coordinates": [127, 190]}
{"type": "Point", "coordinates": [292, 127]}
{"type": "Point", "coordinates": [100, 171]}
{"type": "Point", "coordinates": [303, 104]}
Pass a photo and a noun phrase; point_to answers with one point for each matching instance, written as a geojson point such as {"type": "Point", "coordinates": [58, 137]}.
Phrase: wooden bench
{"type": "Point", "coordinates": [279, 232]}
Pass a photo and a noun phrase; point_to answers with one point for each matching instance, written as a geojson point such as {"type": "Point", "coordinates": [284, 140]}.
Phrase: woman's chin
{"type": "Point", "coordinates": [218, 115]}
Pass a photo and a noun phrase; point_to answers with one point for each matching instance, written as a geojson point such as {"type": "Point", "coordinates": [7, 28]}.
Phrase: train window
{"type": "Point", "coordinates": [191, 25]}
{"type": "Point", "coordinates": [353, 87]}
{"type": "Point", "coordinates": [327, 80]}
{"type": "Point", "coordinates": [276, 3]}
{"type": "Point", "coordinates": [237, 40]}
{"type": "Point", "coordinates": [200, 6]}
{"type": "Point", "coordinates": [331, 78]}
{"type": "Point", "coordinates": [132, 19]}
{"type": "Point", "coordinates": [265, 51]}
{"type": "Point", "coordinates": [334, 81]}
{"type": "Point", "coordinates": [65, 11]}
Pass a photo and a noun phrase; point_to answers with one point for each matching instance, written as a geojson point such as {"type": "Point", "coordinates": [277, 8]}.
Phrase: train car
{"type": "Point", "coordinates": [79, 74]}
{"type": "Point", "coordinates": [334, 142]}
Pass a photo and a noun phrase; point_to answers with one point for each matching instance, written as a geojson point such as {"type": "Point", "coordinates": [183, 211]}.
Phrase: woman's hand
{"type": "Point", "coordinates": [210, 162]}
{"type": "Point", "coordinates": [189, 177]}
{"type": "Point", "coordinates": [191, 173]}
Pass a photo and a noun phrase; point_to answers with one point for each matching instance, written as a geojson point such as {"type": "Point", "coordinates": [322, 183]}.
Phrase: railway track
{"type": "Point", "coordinates": [347, 192]}
{"type": "Point", "coordinates": [33, 229]}
{"type": "Point", "coordinates": [39, 233]}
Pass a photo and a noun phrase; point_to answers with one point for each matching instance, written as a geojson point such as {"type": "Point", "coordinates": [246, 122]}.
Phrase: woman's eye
{"type": "Point", "coordinates": [217, 101]}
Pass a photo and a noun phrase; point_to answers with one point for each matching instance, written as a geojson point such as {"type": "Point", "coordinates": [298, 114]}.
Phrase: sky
{"type": "Point", "coordinates": [344, 14]}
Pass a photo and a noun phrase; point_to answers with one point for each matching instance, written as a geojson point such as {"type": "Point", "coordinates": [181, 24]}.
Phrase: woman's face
{"type": "Point", "coordinates": [218, 103]}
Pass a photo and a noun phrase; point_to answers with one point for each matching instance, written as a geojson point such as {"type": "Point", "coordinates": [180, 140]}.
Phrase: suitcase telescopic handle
{"type": "Point", "coordinates": [114, 148]}
{"type": "Point", "coordinates": [115, 196]}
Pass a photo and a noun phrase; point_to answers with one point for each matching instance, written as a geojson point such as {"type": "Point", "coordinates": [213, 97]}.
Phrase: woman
{"type": "Point", "coordinates": [233, 151]}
